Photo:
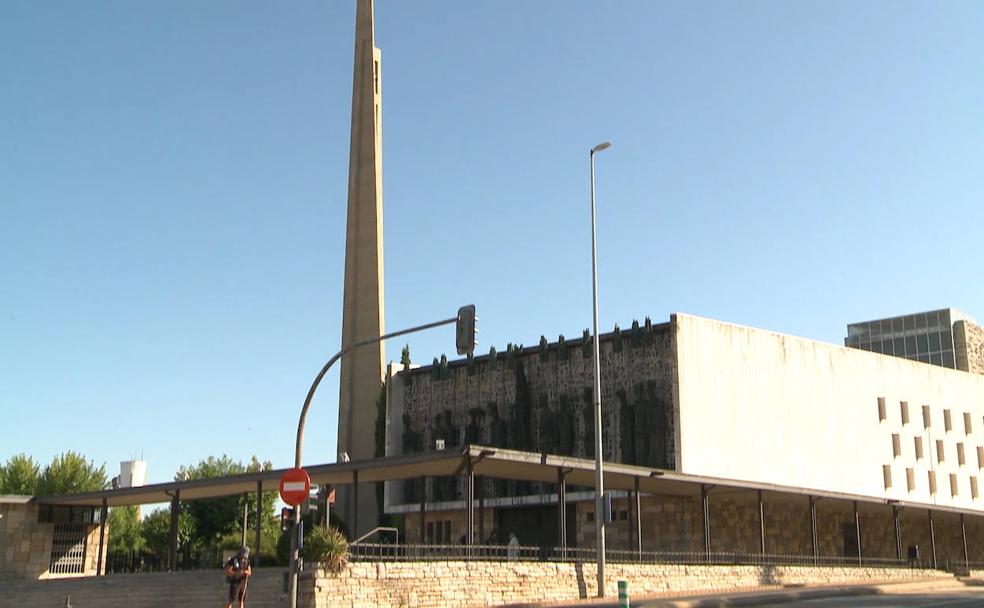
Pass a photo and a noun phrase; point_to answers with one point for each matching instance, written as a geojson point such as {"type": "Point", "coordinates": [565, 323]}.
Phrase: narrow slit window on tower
{"type": "Point", "coordinates": [904, 407]}
{"type": "Point", "coordinates": [896, 445]}
{"type": "Point", "coordinates": [919, 449]}
{"type": "Point", "coordinates": [910, 479]}
{"type": "Point", "coordinates": [953, 485]}
{"type": "Point", "coordinates": [947, 423]}
{"type": "Point", "coordinates": [939, 450]}
{"type": "Point", "coordinates": [887, 475]}
{"type": "Point", "coordinates": [974, 491]}
{"type": "Point", "coordinates": [968, 425]}
{"type": "Point", "coordinates": [980, 457]}
{"type": "Point", "coordinates": [375, 75]}
{"type": "Point", "coordinates": [960, 454]}
{"type": "Point", "coordinates": [927, 422]}
{"type": "Point", "coordinates": [881, 409]}
{"type": "Point", "coordinates": [932, 481]}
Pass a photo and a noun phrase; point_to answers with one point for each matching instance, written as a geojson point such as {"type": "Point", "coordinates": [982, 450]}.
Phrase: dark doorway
{"type": "Point", "coordinates": [535, 525]}
{"type": "Point", "coordinates": [850, 540]}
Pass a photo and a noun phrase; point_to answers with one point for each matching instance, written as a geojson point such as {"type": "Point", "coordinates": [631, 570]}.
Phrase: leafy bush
{"type": "Point", "coordinates": [327, 546]}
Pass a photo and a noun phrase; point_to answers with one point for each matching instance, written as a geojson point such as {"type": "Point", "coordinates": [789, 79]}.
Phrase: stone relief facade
{"type": "Point", "coordinates": [968, 342]}
{"type": "Point", "coordinates": [540, 399]}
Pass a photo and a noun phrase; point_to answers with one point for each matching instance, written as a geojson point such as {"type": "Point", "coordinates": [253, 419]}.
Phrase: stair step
{"type": "Point", "coordinates": [193, 589]}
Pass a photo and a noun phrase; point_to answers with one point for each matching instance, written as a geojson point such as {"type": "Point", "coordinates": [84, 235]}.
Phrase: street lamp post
{"type": "Point", "coordinates": [465, 339]}
{"type": "Point", "coordinates": [599, 477]}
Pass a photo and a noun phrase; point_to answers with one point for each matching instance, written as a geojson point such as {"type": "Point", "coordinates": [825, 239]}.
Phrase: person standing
{"type": "Point", "coordinates": [238, 571]}
{"type": "Point", "coordinates": [512, 549]}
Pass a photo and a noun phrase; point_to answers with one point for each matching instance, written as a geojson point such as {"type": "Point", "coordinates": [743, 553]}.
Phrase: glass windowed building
{"type": "Point", "coordinates": [924, 336]}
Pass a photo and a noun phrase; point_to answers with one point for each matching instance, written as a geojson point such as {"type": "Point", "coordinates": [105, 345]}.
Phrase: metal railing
{"type": "Point", "coordinates": [454, 552]}
{"type": "Point", "coordinates": [119, 562]}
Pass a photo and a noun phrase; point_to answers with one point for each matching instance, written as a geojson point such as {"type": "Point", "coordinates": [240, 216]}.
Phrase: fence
{"type": "Point", "coordinates": [119, 562]}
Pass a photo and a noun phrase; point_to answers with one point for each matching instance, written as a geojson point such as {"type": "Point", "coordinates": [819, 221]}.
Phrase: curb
{"type": "Point", "coordinates": [760, 597]}
{"type": "Point", "coordinates": [763, 599]}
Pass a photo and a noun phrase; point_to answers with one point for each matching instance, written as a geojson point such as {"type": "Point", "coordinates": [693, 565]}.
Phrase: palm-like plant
{"type": "Point", "coordinates": [327, 546]}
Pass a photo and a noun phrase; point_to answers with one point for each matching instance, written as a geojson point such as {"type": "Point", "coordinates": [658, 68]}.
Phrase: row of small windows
{"type": "Point", "coordinates": [938, 320]}
{"type": "Point", "coordinates": [935, 348]}
{"type": "Point", "coordinates": [910, 481]}
{"type": "Point", "coordinates": [940, 451]}
{"type": "Point", "coordinates": [968, 422]}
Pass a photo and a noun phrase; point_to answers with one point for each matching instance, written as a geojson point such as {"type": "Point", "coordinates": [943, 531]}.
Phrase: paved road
{"type": "Point", "coordinates": [962, 599]}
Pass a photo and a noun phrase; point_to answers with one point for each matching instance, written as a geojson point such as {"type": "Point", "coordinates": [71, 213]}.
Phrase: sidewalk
{"type": "Point", "coordinates": [760, 596]}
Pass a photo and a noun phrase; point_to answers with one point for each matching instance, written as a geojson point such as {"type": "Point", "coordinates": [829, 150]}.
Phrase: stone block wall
{"type": "Point", "coordinates": [25, 544]}
{"type": "Point", "coordinates": [968, 345]}
{"type": "Point", "coordinates": [467, 584]}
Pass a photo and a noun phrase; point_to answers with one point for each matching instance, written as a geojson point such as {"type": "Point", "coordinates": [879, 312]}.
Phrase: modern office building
{"type": "Point", "coordinates": [938, 337]}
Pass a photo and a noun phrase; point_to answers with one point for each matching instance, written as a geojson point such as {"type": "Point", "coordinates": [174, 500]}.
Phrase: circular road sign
{"type": "Point", "coordinates": [295, 485]}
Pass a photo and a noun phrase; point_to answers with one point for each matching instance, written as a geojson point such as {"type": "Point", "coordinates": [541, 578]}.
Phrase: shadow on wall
{"type": "Point", "coordinates": [582, 588]}
{"type": "Point", "coordinates": [768, 575]}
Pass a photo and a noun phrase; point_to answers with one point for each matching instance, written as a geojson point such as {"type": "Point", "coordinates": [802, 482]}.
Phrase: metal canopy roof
{"type": "Point", "coordinates": [487, 462]}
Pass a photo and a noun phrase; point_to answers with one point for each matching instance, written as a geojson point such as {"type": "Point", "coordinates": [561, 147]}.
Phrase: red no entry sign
{"type": "Point", "coordinates": [295, 485]}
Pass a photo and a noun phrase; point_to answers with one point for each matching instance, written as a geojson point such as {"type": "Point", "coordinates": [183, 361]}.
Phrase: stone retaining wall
{"type": "Point", "coordinates": [468, 584]}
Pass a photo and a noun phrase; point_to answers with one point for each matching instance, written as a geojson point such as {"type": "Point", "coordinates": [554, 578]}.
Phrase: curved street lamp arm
{"type": "Point", "coordinates": [336, 357]}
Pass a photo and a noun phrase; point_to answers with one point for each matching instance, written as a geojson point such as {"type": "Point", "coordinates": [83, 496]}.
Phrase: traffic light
{"type": "Point", "coordinates": [465, 330]}
{"type": "Point", "coordinates": [286, 518]}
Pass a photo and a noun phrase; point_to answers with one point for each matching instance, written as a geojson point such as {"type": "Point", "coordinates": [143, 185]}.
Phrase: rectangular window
{"type": "Point", "coordinates": [953, 485]}
{"type": "Point", "coordinates": [430, 533]}
{"type": "Point", "coordinates": [590, 515]}
{"type": "Point", "coordinates": [932, 482]}
{"type": "Point", "coordinates": [939, 450]}
{"type": "Point", "coordinates": [926, 417]}
{"type": "Point", "coordinates": [446, 533]}
{"type": "Point", "coordinates": [973, 487]}
{"type": "Point", "coordinates": [904, 406]}
{"type": "Point", "coordinates": [887, 475]}
{"type": "Point", "coordinates": [947, 422]}
{"type": "Point", "coordinates": [918, 444]}
{"type": "Point", "coordinates": [980, 457]}
{"type": "Point", "coordinates": [960, 454]}
{"type": "Point", "coordinates": [922, 342]}
{"type": "Point", "coordinates": [881, 409]}
{"type": "Point", "coordinates": [896, 445]}
{"type": "Point", "coordinates": [968, 425]}
{"type": "Point", "coordinates": [910, 479]}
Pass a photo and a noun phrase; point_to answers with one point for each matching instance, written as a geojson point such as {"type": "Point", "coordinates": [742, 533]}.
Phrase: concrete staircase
{"type": "Point", "coordinates": [194, 589]}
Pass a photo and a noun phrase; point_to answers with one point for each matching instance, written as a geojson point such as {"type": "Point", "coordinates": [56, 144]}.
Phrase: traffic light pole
{"type": "Point", "coordinates": [295, 538]}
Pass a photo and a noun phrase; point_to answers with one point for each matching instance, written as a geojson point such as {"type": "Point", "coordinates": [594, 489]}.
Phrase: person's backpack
{"type": "Point", "coordinates": [236, 576]}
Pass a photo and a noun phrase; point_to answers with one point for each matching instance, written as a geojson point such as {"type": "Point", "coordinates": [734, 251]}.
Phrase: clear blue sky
{"type": "Point", "coordinates": [173, 189]}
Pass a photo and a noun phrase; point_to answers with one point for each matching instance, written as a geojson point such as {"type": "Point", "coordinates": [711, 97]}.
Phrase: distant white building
{"type": "Point", "coordinates": [133, 473]}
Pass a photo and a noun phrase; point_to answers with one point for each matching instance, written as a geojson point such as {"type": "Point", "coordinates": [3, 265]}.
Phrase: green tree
{"type": "Point", "coordinates": [71, 473]}
{"type": "Point", "coordinates": [125, 532]}
{"type": "Point", "coordinates": [19, 476]}
{"type": "Point", "coordinates": [156, 530]}
{"type": "Point", "coordinates": [217, 520]}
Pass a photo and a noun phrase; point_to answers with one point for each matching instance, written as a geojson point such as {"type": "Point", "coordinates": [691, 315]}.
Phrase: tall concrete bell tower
{"type": "Point", "coordinates": [362, 314]}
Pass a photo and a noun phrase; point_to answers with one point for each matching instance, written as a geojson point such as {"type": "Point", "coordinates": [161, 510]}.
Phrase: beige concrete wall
{"type": "Point", "coordinates": [759, 406]}
{"type": "Point", "coordinates": [466, 584]}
